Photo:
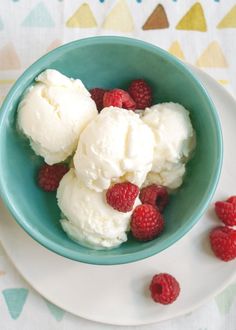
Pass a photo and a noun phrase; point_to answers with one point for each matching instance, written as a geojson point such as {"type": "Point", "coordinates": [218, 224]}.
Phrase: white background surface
{"type": "Point", "coordinates": [32, 42]}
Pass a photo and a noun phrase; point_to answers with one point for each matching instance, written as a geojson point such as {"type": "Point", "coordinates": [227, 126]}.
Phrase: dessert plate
{"type": "Point", "coordinates": [119, 294]}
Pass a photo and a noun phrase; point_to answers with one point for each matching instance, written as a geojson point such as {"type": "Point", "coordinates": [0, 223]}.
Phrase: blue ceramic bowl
{"type": "Point", "coordinates": [111, 62]}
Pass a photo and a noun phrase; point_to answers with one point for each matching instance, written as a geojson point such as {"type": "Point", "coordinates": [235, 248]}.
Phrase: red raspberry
{"type": "Point", "coordinates": [141, 92]}
{"type": "Point", "coordinates": [155, 195]}
{"type": "Point", "coordinates": [164, 288]}
{"type": "Point", "coordinates": [121, 196]}
{"type": "Point", "coordinates": [49, 176]}
{"type": "Point", "coordinates": [97, 95]}
{"type": "Point", "coordinates": [231, 199]}
{"type": "Point", "coordinates": [118, 98]}
{"type": "Point", "coordinates": [226, 211]}
{"type": "Point", "coordinates": [223, 243]}
{"type": "Point", "coordinates": [146, 222]}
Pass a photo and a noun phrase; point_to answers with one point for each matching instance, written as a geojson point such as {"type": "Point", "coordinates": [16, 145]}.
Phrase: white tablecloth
{"type": "Point", "coordinates": [202, 33]}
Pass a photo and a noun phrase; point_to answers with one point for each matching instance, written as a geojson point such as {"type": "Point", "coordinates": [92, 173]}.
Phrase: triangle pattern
{"type": "Point", "coordinates": [39, 17]}
{"type": "Point", "coordinates": [56, 43]}
{"type": "Point", "coordinates": [1, 101]}
{"type": "Point", "coordinates": [82, 18]}
{"type": "Point", "coordinates": [56, 312]}
{"type": "Point", "coordinates": [9, 59]}
{"type": "Point", "coordinates": [223, 81]}
{"type": "Point", "coordinates": [212, 57]}
{"type": "Point", "coordinates": [1, 250]}
{"type": "Point", "coordinates": [119, 19]}
{"type": "Point", "coordinates": [15, 300]}
{"type": "Point", "coordinates": [6, 82]}
{"type": "Point", "coordinates": [157, 20]}
{"type": "Point", "coordinates": [229, 21]}
{"type": "Point", "coordinates": [225, 299]}
{"type": "Point", "coordinates": [194, 19]}
{"type": "Point", "coordinates": [1, 24]}
{"type": "Point", "coordinates": [176, 50]}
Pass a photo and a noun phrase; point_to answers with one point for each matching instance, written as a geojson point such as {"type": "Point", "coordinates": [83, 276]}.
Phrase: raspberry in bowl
{"type": "Point", "coordinates": [111, 64]}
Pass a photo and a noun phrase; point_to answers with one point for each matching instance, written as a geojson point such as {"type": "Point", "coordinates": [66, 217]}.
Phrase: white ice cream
{"type": "Point", "coordinates": [53, 113]}
{"type": "Point", "coordinates": [89, 220]}
{"type": "Point", "coordinates": [116, 146]}
{"type": "Point", "coordinates": [174, 141]}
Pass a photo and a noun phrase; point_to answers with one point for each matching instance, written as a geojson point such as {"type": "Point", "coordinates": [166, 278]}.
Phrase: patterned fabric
{"type": "Point", "coordinates": [202, 33]}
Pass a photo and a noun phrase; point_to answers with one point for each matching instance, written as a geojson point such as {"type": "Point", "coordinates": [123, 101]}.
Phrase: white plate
{"type": "Point", "coordinates": [119, 294]}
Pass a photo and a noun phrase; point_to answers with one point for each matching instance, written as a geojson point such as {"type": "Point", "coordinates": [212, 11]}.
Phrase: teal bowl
{"type": "Point", "coordinates": [111, 62]}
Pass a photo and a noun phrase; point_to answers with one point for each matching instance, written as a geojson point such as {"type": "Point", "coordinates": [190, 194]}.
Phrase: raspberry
{"type": "Point", "coordinates": [146, 222]}
{"type": "Point", "coordinates": [49, 176]}
{"type": "Point", "coordinates": [223, 243]}
{"type": "Point", "coordinates": [231, 199]}
{"type": "Point", "coordinates": [164, 288]}
{"type": "Point", "coordinates": [121, 196]}
{"type": "Point", "coordinates": [118, 98]}
{"type": "Point", "coordinates": [155, 195]}
{"type": "Point", "coordinates": [97, 95]}
{"type": "Point", "coordinates": [226, 211]}
{"type": "Point", "coordinates": [141, 92]}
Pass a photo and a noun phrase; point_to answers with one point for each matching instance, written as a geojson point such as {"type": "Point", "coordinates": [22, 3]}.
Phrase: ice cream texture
{"type": "Point", "coordinates": [52, 114]}
{"type": "Point", "coordinates": [87, 218]}
{"type": "Point", "coordinates": [116, 146]}
{"type": "Point", "coordinates": [174, 142]}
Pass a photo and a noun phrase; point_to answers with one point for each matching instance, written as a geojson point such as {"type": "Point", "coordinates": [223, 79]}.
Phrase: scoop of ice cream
{"type": "Point", "coordinates": [116, 146]}
{"type": "Point", "coordinates": [171, 176]}
{"type": "Point", "coordinates": [52, 114]}
{"type": "Point", "coordinates": [174, 141]}
{"type": "Point", "coordinates": [89, 220]}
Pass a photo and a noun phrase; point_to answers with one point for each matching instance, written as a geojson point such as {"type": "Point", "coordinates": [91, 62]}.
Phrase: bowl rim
{"type": "Point", "coordinates": [30, 73]}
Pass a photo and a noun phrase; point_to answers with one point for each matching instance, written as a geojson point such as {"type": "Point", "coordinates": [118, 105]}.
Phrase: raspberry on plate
{"type": "Point", "coordinates": [164, 288]}
{"type": "Point", "coordinates": [118, 98]}
{"type": "Point", "coordinates": [49, 176]}
{"type": "Point", "coordinates": [141, 92]}
{"type": "Point", "coordinates": [121, 196]}
{"type": "Point", "coordinates": [226, 211]}
{"type": "Point", "coordinates": [146, 222]}
{"type": "Point", "coordinates": [97, 95]}
{"type": "Point", "coordinates": [155, 195]}
{"type": "Point", "coordinates": [231, 199]}
{"type": "Point", "coordinates": [223, 243]}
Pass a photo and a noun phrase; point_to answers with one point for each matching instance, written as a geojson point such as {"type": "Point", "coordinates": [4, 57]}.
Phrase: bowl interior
{"type": "Point", "coordinates": [109, 63]}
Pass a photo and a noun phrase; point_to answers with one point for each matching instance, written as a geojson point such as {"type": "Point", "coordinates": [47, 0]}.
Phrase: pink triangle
{"type": "Point", "coordinates": [9, 59]}
{"type": "Point", "coordinates": [56, 43]}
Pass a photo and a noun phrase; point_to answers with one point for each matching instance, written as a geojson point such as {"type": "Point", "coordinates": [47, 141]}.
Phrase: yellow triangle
{"type": "Point", "coordinates": [119, 19]}
{"type": "Point", "coordinates": [229, 21]}
{"type": "Point", "coordinates": [7, 81]}
{"type": "Point", "coordinates": [223, 82]}
{"type": "Point", "coordinates": [176, 50]}
{"type": "Point", "coordinates": [212, 57]}
{"type": "Point", "coordinates": [9, 59]}
{"type": "Point", "coordinates": [82, 18]}
{"type": "Point", "coordinates": [194, 19]}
